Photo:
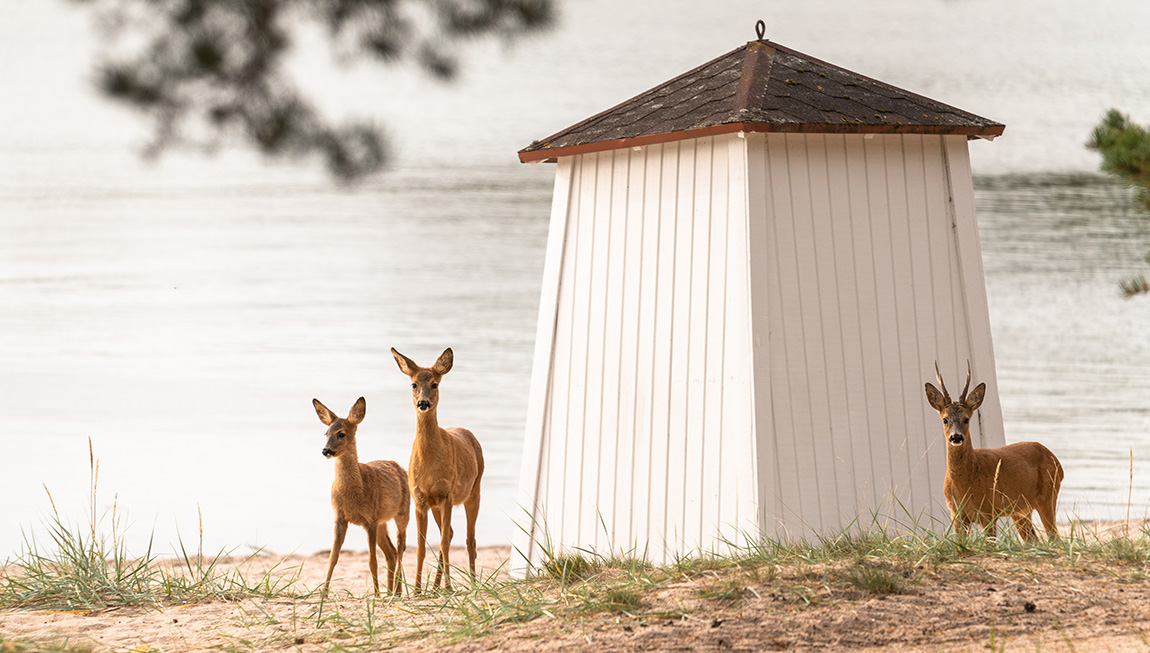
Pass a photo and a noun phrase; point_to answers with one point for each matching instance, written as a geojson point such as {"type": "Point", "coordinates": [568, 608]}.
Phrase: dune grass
{"type": "Point", "coordinates": [573, 585]}
{"type": "Point", "coordinates": [90, 571]}
{"type": "Point", "coordinates": [59, 646]}
{"type": "Point", "coordinates": [87, 568]}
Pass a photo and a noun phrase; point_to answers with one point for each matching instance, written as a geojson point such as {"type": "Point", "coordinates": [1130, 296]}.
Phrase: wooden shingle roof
{"type": "Point", "coordinates": [761, 87]}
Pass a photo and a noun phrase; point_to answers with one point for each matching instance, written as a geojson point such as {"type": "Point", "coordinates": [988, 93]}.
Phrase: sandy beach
{"type": "Point", "coordinates": [267, 625]}
{"type": "Point", "coordinates": [1000, 602]}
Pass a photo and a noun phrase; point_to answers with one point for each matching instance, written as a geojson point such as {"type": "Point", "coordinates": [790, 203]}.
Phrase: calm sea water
{"type": "Point", "coordinates": [183, 315]}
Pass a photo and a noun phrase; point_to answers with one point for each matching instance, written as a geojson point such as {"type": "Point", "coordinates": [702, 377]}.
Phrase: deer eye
{"type": "Point", "coordinates": [434, 386]}
{"type": "Point", "coordinates": [340, 435]}
{"type": "Point", "coordinates": [414, 386]}
{"type": "Point", "coordinates": [945, 421]}
{"type": "Point", "coordinates": [966, 420]}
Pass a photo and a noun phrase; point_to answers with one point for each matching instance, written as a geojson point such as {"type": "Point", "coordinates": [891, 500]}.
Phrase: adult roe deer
{"type": "Point", "coordinates": [365, 494]}
{"type": "Point", "coordinates": [984, 484]}
{"type": "Point", "coordinates": [446, 467]}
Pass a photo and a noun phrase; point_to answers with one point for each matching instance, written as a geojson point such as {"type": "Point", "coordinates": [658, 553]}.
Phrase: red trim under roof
{"type": "Point", "coordinates": [753, 127]}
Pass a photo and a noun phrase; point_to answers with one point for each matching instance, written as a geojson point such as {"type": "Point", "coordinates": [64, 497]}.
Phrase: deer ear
{"type": "Point", "coordinates": [974, 399]}
{"type": "Point", "coordinates": [406, 365]}
{"type": "Point", "coordinates": [357, 411]}
{"type": "Point", "coordinates": [444, 362]}
{"type": "Point", "coordinates": [934, 398]}
{"type": "Point", "coordinates": [325, 415]}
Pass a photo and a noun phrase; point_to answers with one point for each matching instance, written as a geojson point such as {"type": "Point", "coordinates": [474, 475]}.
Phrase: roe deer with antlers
{"type": "Point", "coordinates": [446, 467]}
{"type": "Point", "coordinates": [365, 494]}
{"type": "Point", "coordinates": [984, 484]}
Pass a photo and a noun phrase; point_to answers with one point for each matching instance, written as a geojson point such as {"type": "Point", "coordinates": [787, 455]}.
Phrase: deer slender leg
{"type": "Point", "coordinates": [1025, 528]}
{"type": "Point", "coordinates": [340, 533]}
{"type": "Point", "coordinates": [1046, 513]}
{"type": "Point", "coordinates": [471, 508]}
{"type": "Point", "coordinates": [420, 542]}
{"type": "Point", "coordinates": [372, 561]}
{"type": "Point", "coordinates": [443, 521]}
{"type": "Point", "coordinates": [384, 541]}
{"type": "Point", "coordinates": [400, 547]}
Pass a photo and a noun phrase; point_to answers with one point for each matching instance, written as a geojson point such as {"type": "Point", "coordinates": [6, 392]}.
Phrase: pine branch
{"type": "Point", "coordinates": [208, 72]}
{"type": "Point", "coordinates": [1133, 287]}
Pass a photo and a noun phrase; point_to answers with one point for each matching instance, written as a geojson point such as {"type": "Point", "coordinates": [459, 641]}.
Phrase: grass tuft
{"type": "Point", "coordinates": [1125, 549]}
{"type": "Point", "coordinates": [89, 568]}
{"type": "Point", "coordinates": [875, 579]}
{"type": "Point", "coordinates": [569, 568]}
{"type": "Point", "coordinates": [617, 599]}
{"type": "Point", "coordinates": [57, 646]}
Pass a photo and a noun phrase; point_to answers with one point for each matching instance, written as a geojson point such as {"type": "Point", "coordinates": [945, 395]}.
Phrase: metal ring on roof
{"type": "Point", "coordinates": [760, 29]}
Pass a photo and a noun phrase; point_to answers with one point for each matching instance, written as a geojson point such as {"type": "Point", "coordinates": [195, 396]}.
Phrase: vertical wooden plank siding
{"type": "Point", "coordinates": [646, 489]}
{"type": "Point", "coordinates": [888, 427]}
{"type": "Point", "coordinates": [786, 451]}
{"type": "Point", "coordinates": [738, 496]}
{"type": "Point", "coordinates": [713, 514]}
{"type": "Point", "coordinates": [549, 516]}
{"type": "Point", "coordinates": [990, 431]}
{"type": "Point", "coordinates": [921, 295]}
{"type": "Point", "coordinates": [819, 488]}
{"type": "Point", "coordinates": [698, 272]}
{"type": "Point", "coordinates": [533, 478]}
{"type": "Point", "coordinates": [651, 386]}
{"type": "Point", "coordinates": [734, 335]}
{"type": "Point", "coordinates": [905, 356]}
{"type": "Point", "coordinates": [872, 270]}
{"type": "Point", "coordinates": [828, 395]}
{"type": "Point", "coordinates": [681, 215]}
{"type": "Point", "coordinates": [661, 376]}
{"type": "Point", "coordinates": [768, 503]}
{"type": "Point", "coordinates": [872, 452]}
{"type": "Point", "coordinates": [629, 496]}
{"type": "Point", "coordinates": [949, 327]}
{"type": "Point", "coordinates": [569, 461]}
{"type": "Point", "coordinates": [591, 513]}
{"type": "Point", "coordinates": [845, 391]}
{"type": "Point", "coordinates": [613, 455]}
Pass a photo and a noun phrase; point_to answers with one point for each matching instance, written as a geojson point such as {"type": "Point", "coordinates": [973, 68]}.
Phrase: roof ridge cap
{"type": "Point", "coordinates": [757, 63]}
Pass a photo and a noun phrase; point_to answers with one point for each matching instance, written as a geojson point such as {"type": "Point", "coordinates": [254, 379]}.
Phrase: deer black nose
{"type": "Point", "coordinates": [956, 438]}
{"type": "Point", "coordinates": [423, 405]}
{"type": "Point", "coordinates": [328, 453]}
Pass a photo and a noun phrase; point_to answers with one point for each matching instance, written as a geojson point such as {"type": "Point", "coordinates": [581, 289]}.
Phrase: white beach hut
{"type": "Point", "coordinates": [750, 271]}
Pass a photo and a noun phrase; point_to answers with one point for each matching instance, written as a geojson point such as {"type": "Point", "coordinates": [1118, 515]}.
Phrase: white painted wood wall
{"type": "Point", "coordinates": [733, 338]}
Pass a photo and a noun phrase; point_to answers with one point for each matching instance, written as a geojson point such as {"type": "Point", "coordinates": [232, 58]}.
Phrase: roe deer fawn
{"type": "Point", "coordinates": [984, 484]}
{"type": "Point", "coordinates": [365, 494]}
{"type": "Point", "coordinates": [446, 467]}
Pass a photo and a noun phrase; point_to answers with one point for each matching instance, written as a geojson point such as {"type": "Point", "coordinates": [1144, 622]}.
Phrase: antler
{"type": "Point", "coordinates": [962, 398]}
{"type": "Point", "coordinates": [941, 385]}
